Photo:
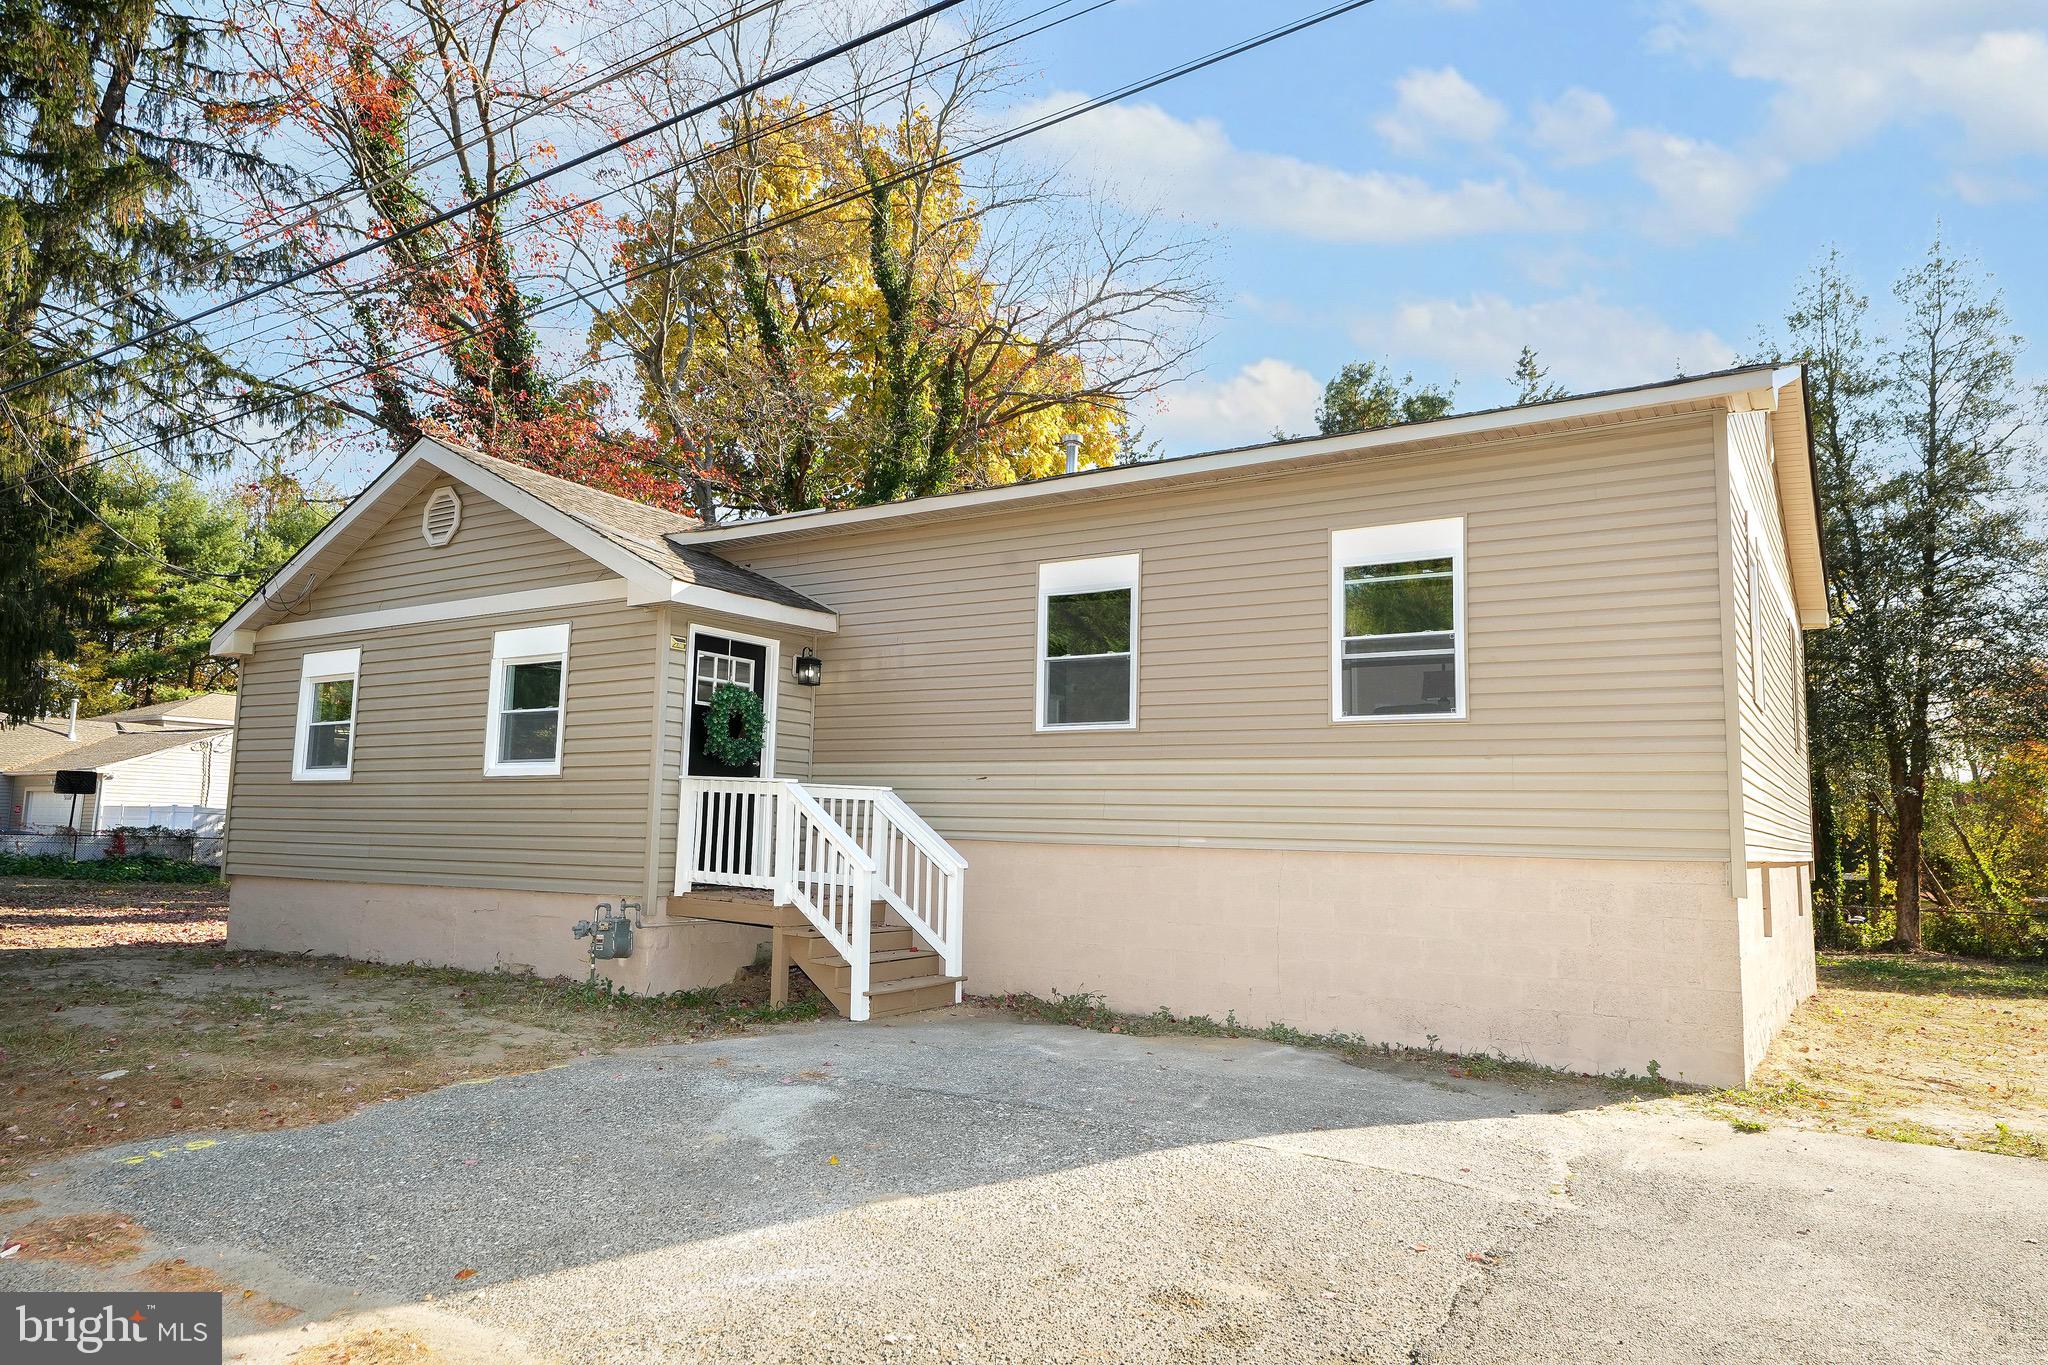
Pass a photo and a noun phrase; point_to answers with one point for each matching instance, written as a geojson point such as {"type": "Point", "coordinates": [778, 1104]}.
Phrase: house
{"type": "Point", "coordinates": [1484, 733]}
{"type": "Point", "coordinates": [164, 765]}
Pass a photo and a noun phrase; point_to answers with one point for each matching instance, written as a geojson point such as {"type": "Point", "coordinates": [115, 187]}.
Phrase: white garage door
{"type": "Point", "coordinates": [48, 810]}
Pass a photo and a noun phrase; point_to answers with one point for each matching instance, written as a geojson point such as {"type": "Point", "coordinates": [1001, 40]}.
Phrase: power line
{"type": "Point", "coordinates": [634, 62]}
{"type": "Point", "coordinates": [992, 143]}
{"type": "Point", "coordinates": [525, 182]}
{"type": "Point", "coordinates": [907, 76]}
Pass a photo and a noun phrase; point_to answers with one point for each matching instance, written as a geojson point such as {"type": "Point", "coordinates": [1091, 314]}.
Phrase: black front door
{"type": "Point", "coordinates": [720, 660]}
{"type": "Point", "coordinates": [732, 828]}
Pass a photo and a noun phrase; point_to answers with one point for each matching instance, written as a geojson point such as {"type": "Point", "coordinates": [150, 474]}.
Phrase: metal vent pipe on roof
{"type": "Point", "coordinates": [1071, 443]}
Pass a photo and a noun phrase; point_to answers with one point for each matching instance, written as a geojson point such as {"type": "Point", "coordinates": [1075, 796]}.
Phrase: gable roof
{"type": "Point", "coordinates": [208, 708]}
{"type": "Point", "coordinates": [627, 537]}
{"type": "Point", "coordinates": [642, 530]}
{"type": "Point", "coordinates": [104, 753]}
{"type": "Point", "coordinates": [35, 739]}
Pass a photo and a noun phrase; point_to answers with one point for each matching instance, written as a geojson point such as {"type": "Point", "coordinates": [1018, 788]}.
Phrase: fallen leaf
{"type": "Point", "coordinates": [467, 1272]}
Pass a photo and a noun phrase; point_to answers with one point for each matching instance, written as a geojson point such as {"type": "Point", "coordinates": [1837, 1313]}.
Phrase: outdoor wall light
{"type": "Point", "coordinates": [809, 668]}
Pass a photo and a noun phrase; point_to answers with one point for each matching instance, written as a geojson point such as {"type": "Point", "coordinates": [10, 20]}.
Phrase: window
{"type": "Point", "coordinates": [1398, 619]}
{"type": "Point", "coordinates": [529, 675]}
{"type": "Point", "coordinates": [1087, 644]}
{"type": "Point", "coordinates": [715, 670]}
{"type": "Point", "coordinates": [325, 751]}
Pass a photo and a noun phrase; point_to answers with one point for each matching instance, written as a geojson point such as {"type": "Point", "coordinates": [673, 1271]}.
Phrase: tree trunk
{"type": "Point", "coordinates": [1827, 857]}
{"type": "Point", "coordinates": [1911, 802]}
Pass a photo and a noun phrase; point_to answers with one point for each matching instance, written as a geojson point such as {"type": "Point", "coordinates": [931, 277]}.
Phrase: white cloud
{"type": "Point", "coordinates": [1430, 106]}
{"type": "Point", "coordinates": [1702, 188]}
{"type": "Point", "coordinates": [1843, 72]}
{"type": "Point", "coordinates": [1147, 156]}
{"type": "Point", "coordinates": [1586, 342]}
{"type": "Point", "coordinates": [1265, 396]}
{"type": "Point", "coordinates": [1576, 127]}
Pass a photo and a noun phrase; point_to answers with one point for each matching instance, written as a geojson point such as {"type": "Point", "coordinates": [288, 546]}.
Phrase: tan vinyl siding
{"type": "Point", "coordinates": [1597, 724]}
{"type": "Point", "coordinates": [792, 718]}
{"type": "Point", "coordinates": [418, 808]}
{"type": "Point", "coordinates": [495, 551]}
{"type": "Point", "coordinates": [1776, 796]}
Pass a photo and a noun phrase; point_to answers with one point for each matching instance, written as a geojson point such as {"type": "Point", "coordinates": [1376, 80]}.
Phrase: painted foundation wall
{"type": "Point", "coordinates": [479, 929]}
{"type": "Point", "coordinates": [1776, 923]}
{"type": "Point", "coordinates": [1594, 965]}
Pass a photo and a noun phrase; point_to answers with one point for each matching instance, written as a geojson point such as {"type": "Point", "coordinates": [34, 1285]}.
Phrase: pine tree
{"type": "Point", "coordinates": [108, 156]}
{"type": "Point", "coordinates": [1531, 380]}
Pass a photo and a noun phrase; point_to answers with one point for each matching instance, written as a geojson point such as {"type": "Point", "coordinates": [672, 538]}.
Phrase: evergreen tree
{"type": "Point", "coordinates": [107, 156]}
{"type": "Point", "coordinates": [1531, 380]}
{"type": "Point", "coordinates": [1938, 579]}
{"type": "Point", "coordinates": [1365, 395]}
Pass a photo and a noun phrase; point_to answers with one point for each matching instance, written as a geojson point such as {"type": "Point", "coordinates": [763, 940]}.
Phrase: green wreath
{"type": "Point", "coordinates": [734, 726]}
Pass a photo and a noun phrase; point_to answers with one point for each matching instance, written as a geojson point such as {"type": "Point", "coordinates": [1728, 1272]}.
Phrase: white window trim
{"type": "Point", "coordinates": [529, 645]}
{"type": "Point", "coordinates": [331, 665]}
{"type": "Point", "coordinates": [771, 689]}
{"type": "Point", "coordinates": [1105, 573]}
{"type": "Point", "coordinates": [1365, 545]}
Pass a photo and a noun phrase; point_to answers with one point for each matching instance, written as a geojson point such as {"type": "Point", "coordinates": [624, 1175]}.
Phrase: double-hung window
{"type": "Point", "coordinates": [1398, 616]}
{"type": "Point", "coordinates": [324, 750]}
{"type": "Point", "coordinates": [529, 682]}
{"type": "Point", "coordinates": [1087, 644]}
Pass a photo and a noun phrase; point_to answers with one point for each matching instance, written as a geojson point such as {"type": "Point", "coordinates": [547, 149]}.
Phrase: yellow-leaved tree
{"type": "Point", "coordinates": [822, 308]}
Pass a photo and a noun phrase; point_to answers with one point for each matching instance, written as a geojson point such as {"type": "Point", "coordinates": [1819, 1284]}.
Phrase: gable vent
{"type": "Point", "coordinates": [443, 515]}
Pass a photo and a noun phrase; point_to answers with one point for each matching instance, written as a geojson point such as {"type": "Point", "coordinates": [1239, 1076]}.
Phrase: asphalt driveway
{"type": "Point", "coordinates": [971, 1187]}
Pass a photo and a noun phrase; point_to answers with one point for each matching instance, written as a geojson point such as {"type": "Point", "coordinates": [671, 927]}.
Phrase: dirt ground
{"type": "Point", "coordinates": [1947, 1051]}
{"type": "Point", "coordinates": [123, 1016]}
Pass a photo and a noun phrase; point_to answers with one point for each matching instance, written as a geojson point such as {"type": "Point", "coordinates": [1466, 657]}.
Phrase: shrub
{"type": "Point", "coordinates": [131, 868]}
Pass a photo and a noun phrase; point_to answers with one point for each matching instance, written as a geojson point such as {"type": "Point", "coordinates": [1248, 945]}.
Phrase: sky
{"type": "Point", "coordinates": [1633, 187]}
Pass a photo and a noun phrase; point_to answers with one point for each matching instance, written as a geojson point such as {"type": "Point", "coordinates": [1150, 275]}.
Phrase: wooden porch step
{"type": "Point", "coordinates": [911, 994]}
{"type": "Point", "coordinates": [895, 964]}
{"type": "Point", "coordinates": [881, 939]}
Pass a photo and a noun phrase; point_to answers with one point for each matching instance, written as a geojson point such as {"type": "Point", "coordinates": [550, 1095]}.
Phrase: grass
{"type": "Point", "coordinates": [112, 1044]}
{"type": "Point", "coordinates": [1086, 1010]}
{"type": "Point", "coordinates": [133, 868]}
{"type": "Point", "coordinates": [1917, 1048]}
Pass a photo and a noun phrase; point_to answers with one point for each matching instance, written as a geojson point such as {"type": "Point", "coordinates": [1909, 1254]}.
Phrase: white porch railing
{"type": "Point", "coordinates": [828, 877]}
{"type": "Point", "coordinates": [919, 875]}
{"type": "Point", "coordinates": [825, 848]}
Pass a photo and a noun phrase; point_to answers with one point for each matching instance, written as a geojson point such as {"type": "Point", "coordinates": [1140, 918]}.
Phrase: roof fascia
{"type": "Point", "coordinates": [1754, 388]}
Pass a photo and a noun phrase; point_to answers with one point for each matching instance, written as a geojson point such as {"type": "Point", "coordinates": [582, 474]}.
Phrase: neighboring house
{"type": "Point", "coordinates": [164, 765]}
{"type": "Point", "coordinates": [1484, 733]}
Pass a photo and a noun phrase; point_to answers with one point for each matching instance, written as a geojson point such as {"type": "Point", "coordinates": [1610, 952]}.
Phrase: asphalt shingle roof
{"type": "Point", "coordinates": [112, 749]}
{"type": "Point", "coordinates": [643, 531]}
{"type": "Point", "coordinates": [207, 706]}
{"type": "Point", "coordinates": [32, 740]}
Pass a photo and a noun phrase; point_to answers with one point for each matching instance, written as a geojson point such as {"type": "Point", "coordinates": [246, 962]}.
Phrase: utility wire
{"type": "Point", "coordinates": [525, 182]}
{"type": "Point", "coordinates": [992, 143]}
{"type": "Point", "coordinates": [909, 75]}
{"type": "Point", "coordinates": [619, 70]}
